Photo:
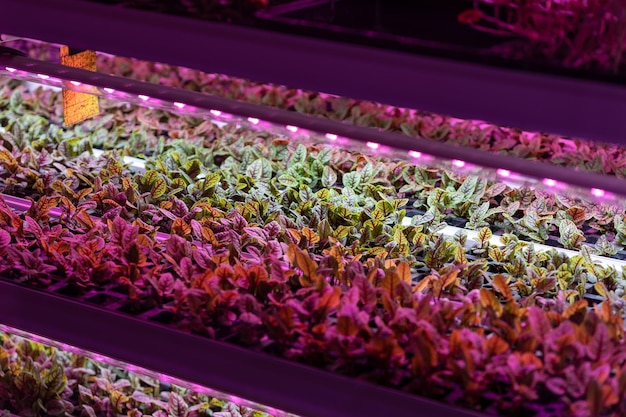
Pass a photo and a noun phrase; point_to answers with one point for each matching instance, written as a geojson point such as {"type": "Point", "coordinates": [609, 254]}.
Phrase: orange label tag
{"type": "Point", "coordinates": [78, 107]}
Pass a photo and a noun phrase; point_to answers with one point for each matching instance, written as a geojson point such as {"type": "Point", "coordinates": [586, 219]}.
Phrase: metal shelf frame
{"type": "Point", "coordinates": [530, 101]}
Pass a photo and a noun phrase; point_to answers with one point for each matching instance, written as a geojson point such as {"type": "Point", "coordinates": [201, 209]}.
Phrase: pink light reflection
{"type": "Point", "coordinates": [549, 182]}
{"type": "Point", "coordinates": [253, 120]}
{"type": "Point", "coordinates": [76, 83]}
{"type": "Point", "coordinates": [373, 145]}
{"type": "Point", "coordinates": [144, 98]}
{"type": "Point", "coordinates": [10, 69]}
{"type": "Point", "coordinates": [179, 105]}
{"type": "Point", "coordinates": [43, 76]}
{"type": "Point", "coordinates": [109, 90]}
{"type": "Point", "coordinates": [458, 163]}
{"type": "Point", "coordinates": [216, 112]}
{"type": "Point", "coordinates": [291, 128]}
{"type": "Point", "coordinates": [504, 173]}
{"type": "Point", "coordinates": [331, 136]}
{"type": "Point", "coordinates": [415, 154]}
{"type": "Point", "coordinates": [598, 192]}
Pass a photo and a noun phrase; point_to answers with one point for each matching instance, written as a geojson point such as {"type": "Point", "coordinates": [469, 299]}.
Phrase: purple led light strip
{"type": "Point", "coordinates": [143, 93]}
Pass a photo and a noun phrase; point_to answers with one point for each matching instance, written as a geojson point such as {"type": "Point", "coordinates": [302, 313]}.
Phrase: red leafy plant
{"type": "Point", "coordinates": [578, 33]}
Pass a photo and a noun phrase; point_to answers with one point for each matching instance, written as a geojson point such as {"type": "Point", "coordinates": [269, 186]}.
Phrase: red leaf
{"type": "Point", "coordinates": [34, 227]}
{"type": "Point", "coordinates": [367, 292]}
{"type": "Point", "coordinates": [470, 16]}
{"type": "Point", "coordinates": [5, 239]}
{"type": "Point", "coordinates": [538, 322]}
{"type": "Point", "coordinates": [600, 345]}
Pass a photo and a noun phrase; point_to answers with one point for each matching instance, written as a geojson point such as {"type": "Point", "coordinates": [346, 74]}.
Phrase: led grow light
{"type": "Point", "coordinates": [146, 372]}
{"type": "Point", "coordinates": [598, 192]}
{"type": "Point", "coordinates": [317, 130]}
{"type": "Point", "coordinates": [549, 182]}
{"type": "Point", "coordinates": [458, 163]}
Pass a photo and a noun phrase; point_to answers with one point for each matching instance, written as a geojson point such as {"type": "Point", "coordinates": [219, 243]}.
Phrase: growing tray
{"type": "Point", "coordinates": [254, 376]}
{"type": "Point", "coordinates": [507, 96]}
{"type": "Point", "coordinates": [307, 125]}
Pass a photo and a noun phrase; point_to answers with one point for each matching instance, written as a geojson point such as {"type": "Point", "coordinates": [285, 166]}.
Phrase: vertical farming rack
{"type": "Point", "coordinates": [508, 96]}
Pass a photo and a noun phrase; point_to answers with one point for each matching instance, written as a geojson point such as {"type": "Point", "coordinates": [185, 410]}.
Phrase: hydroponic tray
{"type": "Point", "coordinates": [253, 376]}
{"type": "Point", "coordinates": [299, 125]}
{"type": "Point", "coordinates": [531, 101]}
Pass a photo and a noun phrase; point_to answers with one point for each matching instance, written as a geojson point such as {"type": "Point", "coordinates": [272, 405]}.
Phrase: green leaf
{"type": "Point", "coordinates": [570, 236]}
{"type": "Point", "coordinates": [400, 239]}
{"type": "Point", "coordinates": [192, 167]}
{"type": "Point", "coordinates": [16, 100]}
{"type": "Point", "coordinates": [323, 194]}
{"type": "Point", "coordinates": [427, 217]}
{"type": "Point", "coordinates": [387, 208]}
{"type": "Point", "coordinates": [495, 190]}
{"type": "Point", "coordinates": [478, 216]}
{"type": "Point", "coordinates": [367, 172]}
{"type": "Point", "coordinates": [159, 187]}
{"type": "Point", "coordinates": [211, 180]}
{"type": "Point", "coordinates": [150, 177]}
{"type": "Point", "coordinates": [377, 215]}
{"type": "Point", "coordinates": [399, 202]}
{"type": "Point", "coordinates": [341, 232]}
{"type": "Point", "coordinates": [306, 195]}
{"type": "Point", "coordinates": [496, 254]}
{"type": "Point", "coordinates": [601, 289]}
{"type": "Point", "coordinates": [484, 235]}
{"type": "Point", "coordinates": [531, 219]}
{"type": "Point", "coordinates": [248, 209]}
{"type": "Point", "coordinates": [180, 182]}
{"type": "Point", "coordinates": [408, 129]}
{"type": "Point", "coordinates": [329, 177]}
{"type": "Point", "coordinates": [288, 181]}
{"type": "Point", "coordinates": [351, 180]}
{"type": "Point", "coordinates": [299, 155]}
{"type": "Point", "coordinates": [602, 247]}
{"type": "Point", "coordinates": [260, 170]}
{"type": "Point", "coordinates": [325, 155]}
{"type": "Point", "coordinates": [54, 379]}
{"type": "Point", "coordinates": [118, 399]}
{"type": "Point", "coordinates": [468, 187]}
{"type": "Point", "coordinates": [512, 208]}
